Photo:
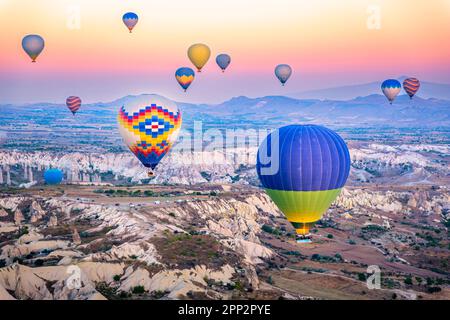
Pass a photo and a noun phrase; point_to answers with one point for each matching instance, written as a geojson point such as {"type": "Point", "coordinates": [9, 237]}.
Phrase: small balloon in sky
{"type": "Point", "coordinates": [411, 86]}
{"type": "Point", "coordinates": [199, 54]}
{"type": "Point", "coordinates": [223, 61]}
{"type": "Point", "coordinates": [73, 103]}
{"type": "Point", "coordinates": [130, 19]}
{"type": "Point", "coordinates": [185, 76]}
{"type": "Point", "coordinates": [33, 45]}
{"type": "Point", "coordinates": [283, 72]}
{"type": "Point", "coordinates": [391, 88]}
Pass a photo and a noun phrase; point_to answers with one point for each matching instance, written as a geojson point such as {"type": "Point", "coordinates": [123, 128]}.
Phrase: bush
{"type": "Point", "coordinates": [361, 276]}
{"type": "Point", "coordinates": [330, 236]}
{"type": "Point", "coordinates": [138, 290]}
{"type": "Point", "coordinates": [116, 277]}
{"type": "Point", "coordinates": [433, 289]}
{"type": "Point", "coordinates": [408, 280]}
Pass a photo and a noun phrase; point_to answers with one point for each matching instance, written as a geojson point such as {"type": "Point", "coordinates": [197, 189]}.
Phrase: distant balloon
{"type": "Point", "coordinates": [73, 103]}
{"type": "Point", "coordinates": [283, 72]}
{"type": "Point", "coordinates": [411, 86]}
{"type": "Point", "coordinates": [130, 19]}
{"type": "Point", "coordinates": [53, 176]}
{"type": "Point", "coordinates": [303, 168]}
{"type": "Point", "coordinates": [199, 55]}
{"type": "Point", "coordinates": [33, 45]}
{"type": "Point", "coordinates": [185, 76]}
{"type": "Point", "coordinates": [223, 60]}
{"type": "Point", "coordinates": [391, 88]}
{"type": "Point", "coordinates": [149, 125]}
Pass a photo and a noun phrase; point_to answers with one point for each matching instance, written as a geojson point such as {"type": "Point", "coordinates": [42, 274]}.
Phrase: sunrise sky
{"type": "Point", "coordinates": [327, 42]}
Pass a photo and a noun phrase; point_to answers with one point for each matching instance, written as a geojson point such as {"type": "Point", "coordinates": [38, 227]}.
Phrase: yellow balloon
{"type": "Point", "coordinates": [199, 55]}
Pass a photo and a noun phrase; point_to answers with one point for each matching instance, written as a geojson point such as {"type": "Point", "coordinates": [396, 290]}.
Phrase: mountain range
{"type": "Point", "coordinates": [427, 90]}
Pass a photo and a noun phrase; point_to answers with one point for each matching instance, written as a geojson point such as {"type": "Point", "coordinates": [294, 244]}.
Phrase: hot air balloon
{"type": "Point", "coordinates": [149, 125]}
{"type": "Point", "coordinates": [303, 168]}
{"type": "Point", "coordinates": [223, 60]}
{"type": "Point", "coordinates": [185, 76]}
{"type": "Point", "coordinates": [391, 88]}
{"type": "Point", "coordinates": [411, 86]}
{"type": "Point", "coordinates": [73, 103]}
{"type": "Point", "coordinates": [130, 19]}
{"type": "Point", "coordinates": [33, 45]}
{"type": "Point", "coordinates": [283, 72]}
{"type": "Point", "coordinates": [199, 55]}
{"type": "Point", "coordinates": [53, 176]}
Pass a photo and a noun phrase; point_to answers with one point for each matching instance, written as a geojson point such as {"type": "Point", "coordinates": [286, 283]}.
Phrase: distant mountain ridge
{"type": "Point", "coordinates": [427, 90]}
{"type": "Point", "coordinates": [270, 110]}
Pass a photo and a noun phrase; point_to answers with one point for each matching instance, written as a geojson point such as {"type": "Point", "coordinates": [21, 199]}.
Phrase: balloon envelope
{"type": "Point", "coordinates": [199, 55]}
{"type": "Point", "coordinates": [149, 125]}
{"type": "Point", "coordinates": [223, 61]}
{"type": "Point", "coordinates": [303, 168]}
{"type": "Point", "coordinates": [73, 103]}
{"type": "Point", "coordinates": [391, 88]}
{"type": "Point", "coordinates": [53, 176]}
{"type": "Point", "coordinates": [130, 19]}
{"type": "Point", "coordinates": [411, 86]}
{"type": "Point", "coordinates": [283, 72]}
{"type": "Point", "coordinates": [185, 76]}
{"type": "Point", "coordinates": [33, 45]}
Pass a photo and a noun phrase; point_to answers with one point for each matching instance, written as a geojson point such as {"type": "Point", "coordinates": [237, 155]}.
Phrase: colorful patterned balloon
{"type": "Point", "coordinates": [33, 45]}
{"type": "Point", "coordinates": [391, 88]}
{"type": "Point", "coordinates": [411, 86]}
{"type": "Point", "coordinates": [73, 103]}
{"type": "Point", "coordinates": [149, 125]}
{"type": "Point", "coordinates": [53, 176]}
{"type": "Point", "coordinates": [223, 61]}
{"type": "Point", "coordinates": [185, 76]}
{"type": "Point", "coordinates": [199, 54]}
{"type": "Point", "coordinates": [303, 168]}
{"type": "Point", "coordinates": [130, 19]}
{"type": "Point", "coordinates": [283, 72]}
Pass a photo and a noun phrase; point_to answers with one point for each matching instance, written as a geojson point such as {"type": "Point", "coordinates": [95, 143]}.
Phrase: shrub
{"type": "Point", "coordinates": [116, 277]}
{"type": "Point", "coordinates": [330, 236]}
{"type": "Point", "coordinates": [138, 290]}
{"type": "Point", "coordinates": [408, 280]}
{"type": "Point", "coordinates": [361, 276]}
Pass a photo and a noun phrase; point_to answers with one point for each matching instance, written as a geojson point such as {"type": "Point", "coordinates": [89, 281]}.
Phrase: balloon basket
{"type": "Point", "coordinates": [150, 173]}
{"type": "Point", "coordinates": [303, 238]}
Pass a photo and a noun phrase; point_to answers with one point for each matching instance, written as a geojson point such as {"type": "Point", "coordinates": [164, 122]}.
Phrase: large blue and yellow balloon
{"type": "Point", "coordinates": [185, 76]}
{"type": "Point", "coordinates": [303, 168]}
{"type": "Point", "coordinates": [391, 88]}
{"type": "Point", "coordinates": [130, 19]}
{"type": "Point", "coordinates": [33, 45]}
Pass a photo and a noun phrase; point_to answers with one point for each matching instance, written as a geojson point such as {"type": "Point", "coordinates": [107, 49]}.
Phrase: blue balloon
{"type": "Point", "coordinates": [184, 76]}
{"type": "Point", "coordinates": [130, 19]}
{"type": "Point", "coordinates": [311, 158]}
{"type": "Point", "coordinates": [53, 176]}
{"type": "Point", "coordinates": [33, 45]}
{"type": "Point", "coordinates": [223, 60]}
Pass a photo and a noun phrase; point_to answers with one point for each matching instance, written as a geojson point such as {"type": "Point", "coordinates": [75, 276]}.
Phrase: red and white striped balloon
{"type": "Point", "coordinates": [411, 86]}
{"type": "Point", "coordinates": [73, 103]}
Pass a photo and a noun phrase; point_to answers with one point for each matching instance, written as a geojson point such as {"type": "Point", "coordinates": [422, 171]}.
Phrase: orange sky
{"type": "Point", "coordinates": [327, 43]}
